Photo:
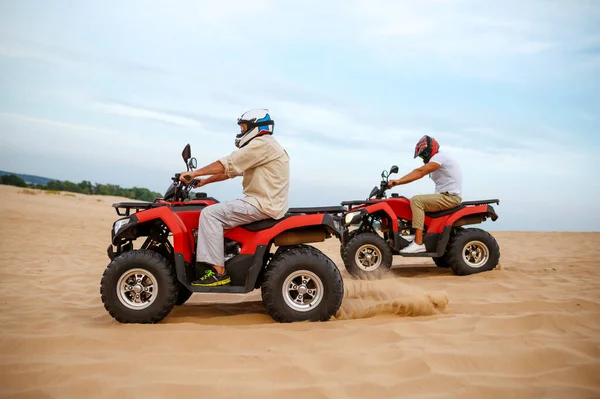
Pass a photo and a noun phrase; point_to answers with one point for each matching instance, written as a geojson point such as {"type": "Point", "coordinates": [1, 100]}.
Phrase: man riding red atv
{"type": "Point", "coordinates": [197, 244]}
{"type": "Point", "coordinates": [424, 226]}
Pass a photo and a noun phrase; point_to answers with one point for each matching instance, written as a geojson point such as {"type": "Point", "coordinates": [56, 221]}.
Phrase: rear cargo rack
{"type": "Point", "coordinates": [482, 202]}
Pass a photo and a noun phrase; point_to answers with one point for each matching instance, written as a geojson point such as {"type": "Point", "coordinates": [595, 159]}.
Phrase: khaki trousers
{"type": "Point", "coordinates": [217, 218]}
{"type": "Point", "coordinates": [419, 204]}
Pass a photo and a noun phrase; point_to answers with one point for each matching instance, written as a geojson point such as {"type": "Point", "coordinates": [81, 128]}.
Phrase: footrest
{"type": "Point", "coordinates": [223, 289]}
{"type": "Point", "coordinates": [420, 255]}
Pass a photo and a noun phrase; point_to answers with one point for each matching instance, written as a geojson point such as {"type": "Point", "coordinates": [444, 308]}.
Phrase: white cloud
{"type": "Point", "coordinates": [136, 112]}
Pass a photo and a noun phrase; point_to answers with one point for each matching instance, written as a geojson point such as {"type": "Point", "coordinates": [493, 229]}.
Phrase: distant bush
{"type": "Point", "coordinates": [13, 180]}
{"type": "Point", "coordinates": [28, 191]}
{"type": "Point", "coordinates": [84, 187]}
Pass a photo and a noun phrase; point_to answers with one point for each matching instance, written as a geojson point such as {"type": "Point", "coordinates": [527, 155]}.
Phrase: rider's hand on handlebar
{"type": "Point", "coordinates": [186, 177]}
{"type": "Point", "coordinates": [392, 183]}
{"type": "Point", "coordinates": [199, 183]}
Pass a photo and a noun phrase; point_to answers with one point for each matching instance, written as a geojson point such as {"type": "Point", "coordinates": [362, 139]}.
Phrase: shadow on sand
{"type": "Point", "coordinates": [420, 271]}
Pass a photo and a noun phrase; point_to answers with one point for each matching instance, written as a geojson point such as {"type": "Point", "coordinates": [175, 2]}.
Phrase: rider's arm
{"type": "Point", "coordinates": [416, 174]}
{"type": "Point", "coordinates": [216, 178]}
{"type": "Point", "coordinates": [212, 179]}
{"type": "Point", "coordinates": [215, 168]}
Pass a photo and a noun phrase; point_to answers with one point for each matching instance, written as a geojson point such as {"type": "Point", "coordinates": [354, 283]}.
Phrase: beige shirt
{"type": "Point", "coordinates": [265, 166]}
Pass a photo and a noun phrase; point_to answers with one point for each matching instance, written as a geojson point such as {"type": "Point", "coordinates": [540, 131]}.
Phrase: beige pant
{"type": "Point", "coordinates": [419, 204]}
{"type": "Point", "coordinates": [214, 219]}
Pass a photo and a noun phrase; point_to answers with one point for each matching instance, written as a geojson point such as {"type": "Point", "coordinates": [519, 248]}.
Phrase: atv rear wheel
{"type": "Point", "coordinates": [441, 261]}
{"type": "Point", "coordinates": [367, 256]}
{"type": "Point", "coordinates": [472, 251]}
{"type": "Point", "coordinates": [139, 287]}
{"type": "Point", "coordinates": [302, 284]}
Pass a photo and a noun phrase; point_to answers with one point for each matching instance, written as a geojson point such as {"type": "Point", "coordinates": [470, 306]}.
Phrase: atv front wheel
{"type": "Point", "coordinates": [367, 256]}
{"type": "Point", "coordinates": [139, 287]}
{"type": "Point", "coordinates": [183, 295]}
{"type": "Point", "coordinates": [342, 248]}
{"type": "Point", "coordinates": [472, 251]}
{"type": "Point", "coordinates": [302, 284]}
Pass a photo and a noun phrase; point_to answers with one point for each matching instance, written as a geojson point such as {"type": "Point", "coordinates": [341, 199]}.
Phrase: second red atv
{"type": "Point", "coordinates": [142, 285]}
{"type": "Point", "coordinates": [379, 227]}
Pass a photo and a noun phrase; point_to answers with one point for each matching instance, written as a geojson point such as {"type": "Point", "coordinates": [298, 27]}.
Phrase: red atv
{"type": "Point", "coordinates": [298, 282]}
{"type": "Point", "coordinates": [379, 227]}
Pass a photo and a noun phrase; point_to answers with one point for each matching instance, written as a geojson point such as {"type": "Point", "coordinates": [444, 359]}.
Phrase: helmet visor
{"type": "Point", "coordinates": [243, 127]}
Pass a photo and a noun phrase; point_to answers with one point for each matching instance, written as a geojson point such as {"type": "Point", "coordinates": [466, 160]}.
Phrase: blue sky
{"type": "Point", "coordinates": [111, 92]}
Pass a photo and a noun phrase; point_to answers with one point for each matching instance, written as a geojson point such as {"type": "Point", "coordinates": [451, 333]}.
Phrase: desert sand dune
{"type": "Point", "coordinates": [529, 329]}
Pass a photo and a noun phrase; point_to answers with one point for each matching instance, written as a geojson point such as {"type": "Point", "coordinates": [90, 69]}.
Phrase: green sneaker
{"type": "Point", "coordinates": [212, 279]}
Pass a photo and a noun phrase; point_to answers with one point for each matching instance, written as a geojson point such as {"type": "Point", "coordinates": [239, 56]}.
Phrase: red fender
{"type": "Point", "coordinates": [181, 236]}
{"type": "Point", "coordinates": [437, 225]}
{"type": "Point", "coordinates": [382, 206]}
{"type": "Point", "coordinates": [251, 239]}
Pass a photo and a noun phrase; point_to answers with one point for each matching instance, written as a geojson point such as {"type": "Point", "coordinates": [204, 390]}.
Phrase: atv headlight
{"type": "Point", "coordinates": [353, 217]}
{"type": "Point", "coordinates": [120, 223]}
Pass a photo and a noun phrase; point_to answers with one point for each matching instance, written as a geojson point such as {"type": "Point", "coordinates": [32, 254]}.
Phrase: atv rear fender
{"type": "Point", "coordinates": [293, 230]}
{"type": "Point", "coordinates": [472, 215]}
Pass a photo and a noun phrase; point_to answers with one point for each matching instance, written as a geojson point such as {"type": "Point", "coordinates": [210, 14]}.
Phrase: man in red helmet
{"type": "Point", "coordinates": [447, 176]}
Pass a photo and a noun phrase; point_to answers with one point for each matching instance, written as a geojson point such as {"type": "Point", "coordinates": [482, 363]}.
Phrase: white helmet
{"type": "Point", "coordinates": [252, 124]}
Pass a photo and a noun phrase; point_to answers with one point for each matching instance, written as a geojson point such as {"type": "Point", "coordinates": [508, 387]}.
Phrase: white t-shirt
{"type": "Point", "coordinates": [448, 177]}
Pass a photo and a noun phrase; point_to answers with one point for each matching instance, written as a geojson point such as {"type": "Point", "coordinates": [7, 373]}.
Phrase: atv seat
{"type": "Point", "coordinates": [268, 223]}
{"type": "Point", "coordinates": [464, 204]}
{"type": "Point", "coordinates": [444, 212]}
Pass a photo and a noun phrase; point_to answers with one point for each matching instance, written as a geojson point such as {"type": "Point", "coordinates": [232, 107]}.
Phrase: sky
{"type": "Point", "coordinates": [111, 92]}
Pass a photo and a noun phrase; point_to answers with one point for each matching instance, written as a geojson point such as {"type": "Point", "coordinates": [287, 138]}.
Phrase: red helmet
{"type": "Point", "coordinates": [426, 148]}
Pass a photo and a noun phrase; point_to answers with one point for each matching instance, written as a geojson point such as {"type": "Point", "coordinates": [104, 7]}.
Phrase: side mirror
{"type": "Point", "coordinates": [187, 153]}
{"type": "Point", "coordinates": [393, 169]}
{"type": "Point", "coordinates": [193, 163]}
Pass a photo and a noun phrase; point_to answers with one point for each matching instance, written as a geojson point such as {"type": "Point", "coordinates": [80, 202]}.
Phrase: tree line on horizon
{"type": "Point", "coordinates": [84, 187]}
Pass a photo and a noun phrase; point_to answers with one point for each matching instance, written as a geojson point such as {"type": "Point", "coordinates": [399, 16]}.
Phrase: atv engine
{"type": "Point", "coordinates": [405, 227]}
{"type": "Point", "coordinates": [232, 248]}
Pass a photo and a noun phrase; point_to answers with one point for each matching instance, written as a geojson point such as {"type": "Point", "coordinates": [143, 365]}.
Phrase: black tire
{"type": "Point", "coordinates": [480, 240]}
{"type": "Point", "coordinates": [324, 275]}
{"type": "Point", "coordinates": [374, 244]}
{"type": "Point", "coordinates": [156, 269]}
{"type": "Point", "coordinates": [286, 248]}
{"type": "Point", "coordinates": [183, 295]}
{"type": "Point", "coordinates": [441, 261]}
{"type": "Point", "coordinates": [342, 248]}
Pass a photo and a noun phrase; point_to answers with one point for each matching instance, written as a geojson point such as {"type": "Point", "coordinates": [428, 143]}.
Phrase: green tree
{"type": "Point", "coordinates": [12, 180]}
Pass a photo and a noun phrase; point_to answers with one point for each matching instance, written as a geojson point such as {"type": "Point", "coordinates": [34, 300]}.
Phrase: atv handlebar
{"type": "Point", "coordinates": [179, 190]}
{"type": "Point", "coordinates": [379, 193]}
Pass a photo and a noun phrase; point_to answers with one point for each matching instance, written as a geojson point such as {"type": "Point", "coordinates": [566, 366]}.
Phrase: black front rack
{"type": "Point", "coordinates": [124, 208]}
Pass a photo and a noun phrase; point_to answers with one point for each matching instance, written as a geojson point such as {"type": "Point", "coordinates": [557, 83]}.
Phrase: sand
{"type": "Point", "coordinates": [529, 329]}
